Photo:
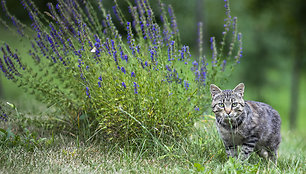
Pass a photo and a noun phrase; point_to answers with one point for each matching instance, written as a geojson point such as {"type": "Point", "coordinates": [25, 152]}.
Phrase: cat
{"type": "Point", "coordinates": [254, 126]}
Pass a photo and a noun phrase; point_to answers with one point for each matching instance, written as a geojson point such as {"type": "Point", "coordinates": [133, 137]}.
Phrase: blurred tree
{"type": "Point", "coordinates": [291, 18]}
{"type": "Point", "coordinates": [296, 74]}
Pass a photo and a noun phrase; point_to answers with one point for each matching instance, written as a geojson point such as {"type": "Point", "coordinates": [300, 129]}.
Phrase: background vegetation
{"type": "Point", "coordinates": [272, 68]}
{"type": "Point", "coordinates": [273, 38]}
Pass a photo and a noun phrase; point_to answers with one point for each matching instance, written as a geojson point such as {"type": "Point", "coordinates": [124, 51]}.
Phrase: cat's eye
{"type": "Point", "coordinates": [221, 105]}
{"type": "Point", "coordinates": [234, 104]}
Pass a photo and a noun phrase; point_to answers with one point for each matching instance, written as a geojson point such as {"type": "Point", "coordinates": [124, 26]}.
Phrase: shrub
{"type": "Point", "coordinates": [126, 84]}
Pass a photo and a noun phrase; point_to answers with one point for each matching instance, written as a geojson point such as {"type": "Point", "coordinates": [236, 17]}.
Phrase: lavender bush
{"type": "Point", "coordinates": [126, 85]}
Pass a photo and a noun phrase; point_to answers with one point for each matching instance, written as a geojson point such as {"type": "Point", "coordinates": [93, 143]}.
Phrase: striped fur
{"type": "Point", "coordinates": [254, 126]}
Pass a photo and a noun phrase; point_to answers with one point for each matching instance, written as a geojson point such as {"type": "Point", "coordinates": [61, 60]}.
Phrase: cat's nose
{"type": "Point", "coordinates": [228, 111]}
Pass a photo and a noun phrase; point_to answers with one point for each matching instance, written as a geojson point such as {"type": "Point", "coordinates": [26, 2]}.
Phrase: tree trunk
{"type": "Point", "coordinates": [295, 80]}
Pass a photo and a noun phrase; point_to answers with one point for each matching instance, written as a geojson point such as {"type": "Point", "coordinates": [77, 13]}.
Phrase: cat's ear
{"type": "Point", "coordinates": [214, 90]}
{"type": "Point", "coordinates": [239, 89]}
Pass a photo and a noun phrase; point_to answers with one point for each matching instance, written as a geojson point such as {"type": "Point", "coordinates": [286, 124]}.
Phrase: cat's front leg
{"type": "Point", "coordinates": [231, 150]}
{"type": "Point", "coordinates": [248, 147]}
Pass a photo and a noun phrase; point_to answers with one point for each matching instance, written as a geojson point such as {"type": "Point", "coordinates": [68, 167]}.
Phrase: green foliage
{"type": "Point", "coordinates": [28, 140]}
{"type": "Point", "coordinates": [122, 86]}
{"type": "Point", "coordinates": [16, 133]}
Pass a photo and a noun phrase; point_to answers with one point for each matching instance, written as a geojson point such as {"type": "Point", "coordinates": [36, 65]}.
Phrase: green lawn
{"type": "Point", "coordinates": [201, 152]}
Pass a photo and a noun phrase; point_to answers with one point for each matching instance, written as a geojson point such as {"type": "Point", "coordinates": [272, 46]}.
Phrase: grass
{"type": "Point", "coordinates": [202, 152]}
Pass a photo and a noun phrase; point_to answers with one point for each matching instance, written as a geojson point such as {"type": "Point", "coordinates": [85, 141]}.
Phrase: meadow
{"type": "Point", "coordinates": [37, 149]}
{"type": "Point", "coordinates": [84, 97]}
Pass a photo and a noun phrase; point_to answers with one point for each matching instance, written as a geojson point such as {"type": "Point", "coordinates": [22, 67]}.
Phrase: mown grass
{"type": "Point", "coordinates": [40, 151]}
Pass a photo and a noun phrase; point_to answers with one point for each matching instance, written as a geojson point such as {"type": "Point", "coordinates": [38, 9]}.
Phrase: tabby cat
{"type": "Point", "coordinates": [252, 125]}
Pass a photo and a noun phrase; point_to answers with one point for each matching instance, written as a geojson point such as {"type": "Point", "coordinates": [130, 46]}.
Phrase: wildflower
{"type": "Point", "coordinates": [239, 53]}
{"type": "Point", "coordinates": [203, 74]}
{"type": "Point", "coordinates": [87, 92]}
{"type": "Point", "coordinates": [168, 68]}
{"type": "Point", "coordinates": [117, 14]}
{"type": "Point", "coordinates": [214, 49]}
{"type": "Point", "coordinates": [197, 108]}
{"type": "Point", "coordinates": [227, 9]}
{"type": "Point", "coordinates": [123, 84]}
{"type": "Point", "coordinates": [169, 53]}
{"type": "Point", "coordinates": [3, 117]}
{"type": "Point", "coordinates": [126, 58]}
{"type": "Point", "coordinates": [211, 41]}
{"type": "Point", "coordinates": [123, 70]}
{"type": "Point", "coordinates": [173, 20]}
{"type": "Point", "coordinates": [223, 65]}
{"type": "Point", "coordinates": [135, 87]}
{"type": "Point", "coordinates": [186, 84]}
{"type": "Point", "coordinates": [239, 36]}
{"type": "Point", "coordinates": [132, 74]}
{"type": "Point", "coordinates": [152, 54]}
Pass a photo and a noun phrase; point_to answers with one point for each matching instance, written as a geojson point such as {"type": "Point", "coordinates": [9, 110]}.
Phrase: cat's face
{"type": "Point", "coordinates": [227, 104]}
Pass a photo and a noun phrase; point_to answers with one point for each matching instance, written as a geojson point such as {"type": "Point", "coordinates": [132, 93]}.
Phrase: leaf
{"type": "Point", "coordinates": [3, 130]}
{"type": "Point", "coordinates": [83, 116]}
{"type": "Point", "coordinates": [199, 167]}
{"type": "Point", "coordinates": [10, 133]}
{"type": "Point", "coordinates": [3, 133]}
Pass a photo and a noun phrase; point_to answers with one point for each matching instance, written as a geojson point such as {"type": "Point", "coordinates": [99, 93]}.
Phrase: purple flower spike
{"type": "Point", "coordinates": [123, 84]}
{"type": "Point", "coordinates": [135, 87]}
{"type": "Point", "coordinates": [133, 74]}
{"type": "Point", "coordinates": [87, 92]}
{"type": "Point", "coordinates": [123, 70]}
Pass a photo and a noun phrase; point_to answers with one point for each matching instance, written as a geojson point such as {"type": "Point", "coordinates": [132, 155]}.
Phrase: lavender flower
{"type": "Point", "coordinates": [196, 108]}
{"type": "Point", "coordinates": [123, 84]}
{"type": "Point", "coordinates": [173, 20]}
{"type": "Point", "coordinates": [223, 65]}
{"type": "Point", "coordinates": [168, 68]}
{"type": "Point", "coordinates": [87, 92]}
{"type": "Point", "coordinates": [123, 70]}
{"type": "Point", "coordinates": [186, 84]}
{"type": "Point", "coordinates": [115, 10]}
{"type": "Point", "coordinates": [214, 49]}
{"type": "Point", "coordinates": [3, 116]}
{"type": "Point", "coordinates": [132, 74]}
{"type": "Point", "coordinates": [239, 53]}
{"type": "Point", "coordinates": [136, 87]}
{"type": "Point", "coordinates": [195, 63]}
